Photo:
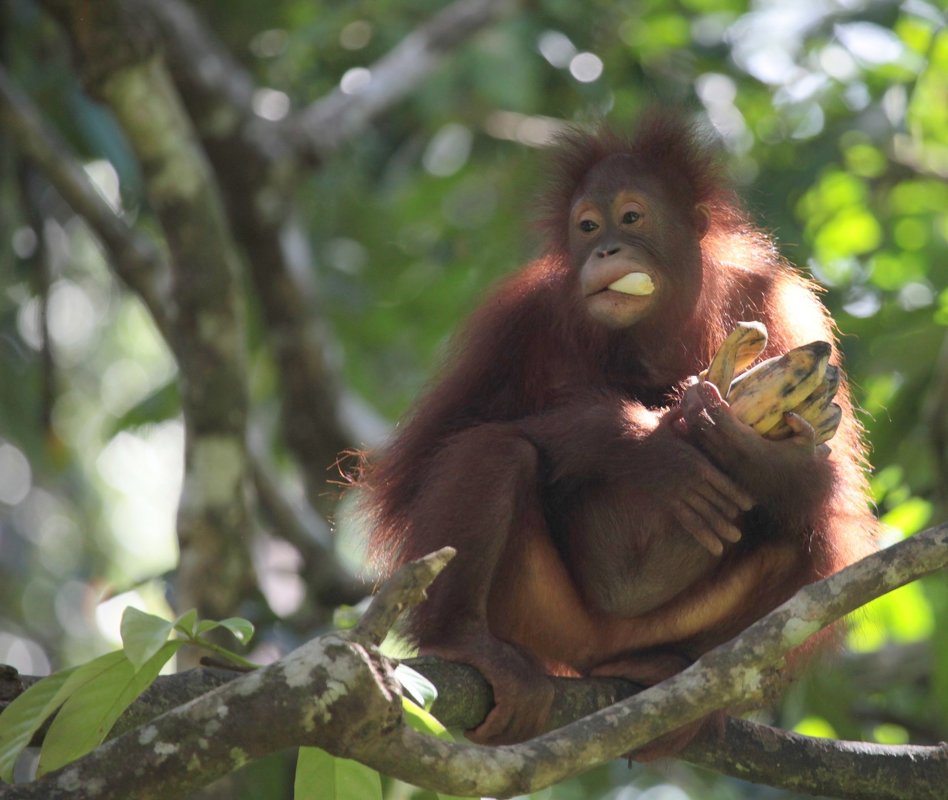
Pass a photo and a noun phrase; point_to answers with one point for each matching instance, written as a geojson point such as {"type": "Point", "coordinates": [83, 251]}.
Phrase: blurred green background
{"type": "Point", "coordinates": [834, 115]}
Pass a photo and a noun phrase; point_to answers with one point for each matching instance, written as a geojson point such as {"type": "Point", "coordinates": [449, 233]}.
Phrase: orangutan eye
{"type": "Point", "coordinates": [630, 217]}
{"type": "Point", "coordinates": [588, 226]}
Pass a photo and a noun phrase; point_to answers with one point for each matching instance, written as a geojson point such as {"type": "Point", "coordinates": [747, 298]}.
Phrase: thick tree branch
{"type": "Point", "coordinates": [336, 693]}
{"type": "Point", "coordinates": [206, 328]}
{"type": "Point", "coordinates": [726, 676]}
{"type": "Point", "coordinates": [258, 170]}
{"type": "Point", "coordinates": [146, 271]}
{"type": "Point", "coordinates": [257, 162]}
{"type": "Point", "coordinates": [851, 770]}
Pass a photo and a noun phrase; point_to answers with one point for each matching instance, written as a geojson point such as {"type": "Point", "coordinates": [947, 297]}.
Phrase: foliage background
{"type": "Point", "coordinates": [835, 119]}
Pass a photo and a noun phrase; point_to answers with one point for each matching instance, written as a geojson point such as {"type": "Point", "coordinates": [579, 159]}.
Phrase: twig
{"type": "Point", "coordinates": [405, 589]}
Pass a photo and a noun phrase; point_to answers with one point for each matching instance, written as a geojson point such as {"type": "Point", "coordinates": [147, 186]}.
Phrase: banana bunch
{"type": "Point", "coordinates": [801, 381]}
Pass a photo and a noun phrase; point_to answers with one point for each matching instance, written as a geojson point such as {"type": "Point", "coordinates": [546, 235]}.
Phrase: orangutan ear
{"type": "Point", "coordinates": [702, 219]}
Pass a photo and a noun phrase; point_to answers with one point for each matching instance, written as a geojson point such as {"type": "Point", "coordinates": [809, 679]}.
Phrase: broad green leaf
{"type": "Point", "coordinates": [320, 776]}
{"type": "Point", "coordinates": [143, 635]}
{"type": "Point", "coordinates": [21, 719]}
{"type": "Point", "coordinates": [417, 685]}
{"type": "Point", "coordinates": [93, 707]}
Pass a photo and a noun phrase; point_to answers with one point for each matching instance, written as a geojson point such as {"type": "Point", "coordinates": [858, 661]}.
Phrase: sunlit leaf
{"type": "Point", "coordinates": [865, 160]}
{"type": "Point", "coordinates": [852, 231]}
{"type": "Point", "coordinates": [417, 685]}
{"type": "Point", "coordinates": [892, 270]}
{"type": "Point", "coordinates": [143, 635]}
{"type": "Point", "coordinates": [885, 480]}
{"type": "Point", "coordinates": [423, 721]}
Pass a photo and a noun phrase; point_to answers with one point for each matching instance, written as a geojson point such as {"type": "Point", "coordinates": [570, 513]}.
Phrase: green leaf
{"type": "Point", "coordinates": [423, 722]}
{"type": "Point", "coordinates": [417, 685]}
{"type": "Point", "coordinates": [187, 623]}
{"type": "Point", "coordinates": [101, 691]}
{"type": "Point", "coordinates": [241, 628]}
{"type": "Point", "coordinates": [21, 719]}
{"type": "Point", "coordinates": [889, 733]}
{"type": "Point", "coordinates": [143, 635]}
{"type": "Point", "coordinates": [162, 404]}
{"type": "Point", "coordinates": [817, 727]}
{"type": "Point", "coordinates": [320, 776]}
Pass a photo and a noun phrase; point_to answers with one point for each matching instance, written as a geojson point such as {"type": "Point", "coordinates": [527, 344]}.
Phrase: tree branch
{"type": "Point", "coordinates": [258, 170]}
{"type": "Point", "coordinates": [337, 693]}
{"type": "Point", "coordinates": [258, 162]}
{"type": "Point", "coordinates": [327, 124]}
{"type": "Point", "coordinates": [206, 329]}
{"type": "Point", "coordinates": [851, 770]}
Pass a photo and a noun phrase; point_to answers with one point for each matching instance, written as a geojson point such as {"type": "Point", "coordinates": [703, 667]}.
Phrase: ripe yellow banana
{"type": "Point", "coordinates": [737, 353]}
{"type": "Point", "coordinates": [762, 395]}
{"type": "Point", "coordinates": [813, 408]}
{"type": "Point", "coordinates": [826, 423]}
{"type": "Point", "coordinates": [800, 381]}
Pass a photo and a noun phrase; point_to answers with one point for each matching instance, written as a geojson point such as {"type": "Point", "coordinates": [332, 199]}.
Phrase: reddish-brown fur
{"type": "Point", "coordinates": [545, 454]}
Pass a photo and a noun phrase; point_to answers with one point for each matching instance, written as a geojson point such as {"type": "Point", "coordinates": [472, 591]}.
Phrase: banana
{"type": "Point", "coordinates": [800, 381]}
{"type": "Point", "coordinates": [827, 422]}
{"type": "Point", "coordinates": [813, 407]}
{"type": "Point", "coordinates": [737, 353]}
{"type": "Point", "coordinates": [762, 395]}
{"type": "Point", "coordinates": [639, 284]}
